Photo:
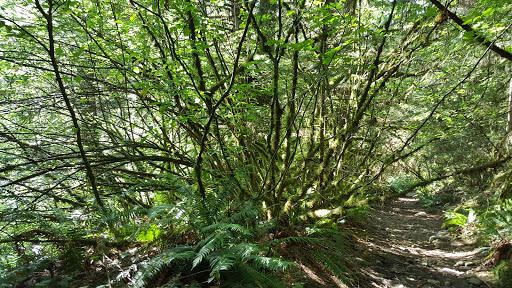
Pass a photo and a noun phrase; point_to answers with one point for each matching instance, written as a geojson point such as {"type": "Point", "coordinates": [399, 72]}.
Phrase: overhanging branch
{"type": "Point", "coordinates": [478, 36]}
{"type": "Point", "coordinates": [468, 171]}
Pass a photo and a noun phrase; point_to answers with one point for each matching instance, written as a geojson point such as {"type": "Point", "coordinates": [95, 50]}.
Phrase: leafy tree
{"type": "Point", "coordinates": [123, 121]}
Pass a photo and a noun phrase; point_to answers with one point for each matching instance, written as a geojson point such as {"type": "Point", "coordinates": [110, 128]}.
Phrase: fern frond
{"type": "Point", "coordinates": [161, 210]}
{"type": "Point", "coordinates": [298, 240]}
{"type": "Point", "coordinates": [270, 263]}
{"type": "Point", "coordinates": [216, 241]}
{"type": "Point", "coordinates": [222, 260]}
{"type": "Point", "coordinates": [127, 215]}
{"type": "Point", "coordinates": [208, 209]}
{"type": "Point", "coordinates": [332, 262]}
{"type": "Point", "coordinates": [148, 271]}
{"type": "Point", "coordinates": [249, 212]}
{"type": "Point", "coordinates": [246, 249]}
{"type": "Point", "coordinates": [256, 278]}
{"type": "Point", "coordinates": [323, 231]}
{"type": "Point", "coordinates": [226, 226]}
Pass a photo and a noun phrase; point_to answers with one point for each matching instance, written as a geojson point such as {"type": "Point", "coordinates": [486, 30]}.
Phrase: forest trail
{"type": "Point", "coordinates": [405, 246]}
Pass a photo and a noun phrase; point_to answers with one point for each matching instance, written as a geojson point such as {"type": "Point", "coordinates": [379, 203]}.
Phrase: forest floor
{"type": "Point", "coordinates": [404, 245]}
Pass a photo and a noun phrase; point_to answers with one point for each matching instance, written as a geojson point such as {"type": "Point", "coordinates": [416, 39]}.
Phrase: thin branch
{"type": "Point", "coordinates": [467, 171]}
{"type": "Point", "coordinates": [197, 168]}
{"type": "Point", "coordinates": [478, 36]}
{"type": "Point", "coordinates": [74, 119]}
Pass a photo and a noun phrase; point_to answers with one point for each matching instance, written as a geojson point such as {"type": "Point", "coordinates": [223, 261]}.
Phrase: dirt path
{"type": "Point", "coordinates": [406, 246]}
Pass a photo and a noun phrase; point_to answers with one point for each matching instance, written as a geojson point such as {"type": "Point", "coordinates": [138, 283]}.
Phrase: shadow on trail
{"type": "Point", "coordinates": [405, 246]}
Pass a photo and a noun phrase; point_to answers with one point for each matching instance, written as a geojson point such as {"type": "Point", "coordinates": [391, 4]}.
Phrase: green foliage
{"type": "Point", "coordinates": [504, 273]}
{"type": "Point", "coordinates": [401, 182]}
{"type": "Point", "coordinates": [330, 252]}
{"type": "Point", "coordinates": [327, 223]}
{"type": "Point", "coordinates": [432, 200]}
{"type": "Point", "coordinates": [72, 260]}
{"type": "Point", "coordinates": [454, 218]}
{"type": "Point", "coordinates": [224, 246]}
{"type": "Point", "coordinates": [243, 275]}
{"type": "Point", "coordinates": [149, 234]}
{"type": "Point", "coordinates": [299, 240]}
{"type": "Point", "coordinates": [495, 222]}
{"type": "Point", "coordinates": [334, 263]}
{"type": "Point", "coordinates": [503, 184]}
{"type": "Point", "coordinates": [148, 270]}
{"type": "Point", "coordinates": [357, 214]}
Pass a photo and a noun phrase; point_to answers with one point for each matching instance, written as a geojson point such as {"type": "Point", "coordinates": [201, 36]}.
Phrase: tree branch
{"type": "Point", "coordinates": [478, 36]}
{"type": "Point", "coordinates": [467, 171]}
{"type": "Point", "coordinates": [199, 160]}
{"type": "Point", "coordinates": [63, 91]}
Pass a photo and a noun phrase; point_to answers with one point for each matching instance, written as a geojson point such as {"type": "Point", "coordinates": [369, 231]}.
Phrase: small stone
{"type": "Point", "coordinates": [475, 281]}
{"type": "Point", "coordinates": [469, 263]}
{"type": "Point", "coordinates": [459, 263]}
{"type": "Point", "coordinates": [441, 235]}
{"type": "Point", "coordinates": [420, 214]}
{"type": "Point", "coordinates": [410, 195]}
{"type": "Point", "coordinates": [433, 281]}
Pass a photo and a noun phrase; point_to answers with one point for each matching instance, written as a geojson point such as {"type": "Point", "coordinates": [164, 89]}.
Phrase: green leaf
{"type": "Point", "coordinates": [488, 12]}
{"type": "Point", "coordinates": [147, 235]}
{"type": "Point", "coordinates": [271, 263]}
{"type": "Point", "coordinates": [469, 35]}
{"type": "Point", "coordinates": [431, 11]}
{"type": "Point", "coordinates": [306, 45]}
{"type": "Point", "coordinates": [254, 62]}
{"type": "Point", "coordinates": [227, 226]}
{"type": "Point", "coordinates": [145, 91]}
{"type": "Point", "coordinates": [467, 21]}
{"type": "Point", "coordinates": [186, 31]}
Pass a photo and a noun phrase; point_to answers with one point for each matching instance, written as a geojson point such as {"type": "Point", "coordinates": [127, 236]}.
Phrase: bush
{"type": "Point", "coordinates": [401, 182]}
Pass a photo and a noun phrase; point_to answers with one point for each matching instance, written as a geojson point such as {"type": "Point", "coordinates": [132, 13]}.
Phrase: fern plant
{"type": "Point", "coordinates": [150, 269]}
{"type": "Point", "coordinates": [224, 246]}
{"type": "Point", "coordinates": [504, 273]}
{"type": "Point", "coordinates": [247, 276]}
{"type": "Point", "coordinates": [496, 221]}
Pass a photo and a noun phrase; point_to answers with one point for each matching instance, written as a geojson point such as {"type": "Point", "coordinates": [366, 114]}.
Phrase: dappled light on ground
{"type": "Point", "coordinates": [405, 246]}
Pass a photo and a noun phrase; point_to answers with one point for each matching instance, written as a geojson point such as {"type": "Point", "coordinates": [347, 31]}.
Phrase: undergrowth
{"type": "Point", "coordinates": [504, 273]}
{"type": "Point", "coordinates": [231, 246]}
{"type": "Point", "coordinates": [490, 222]}
{"type": "Point", "coordinates": [223, 243]}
